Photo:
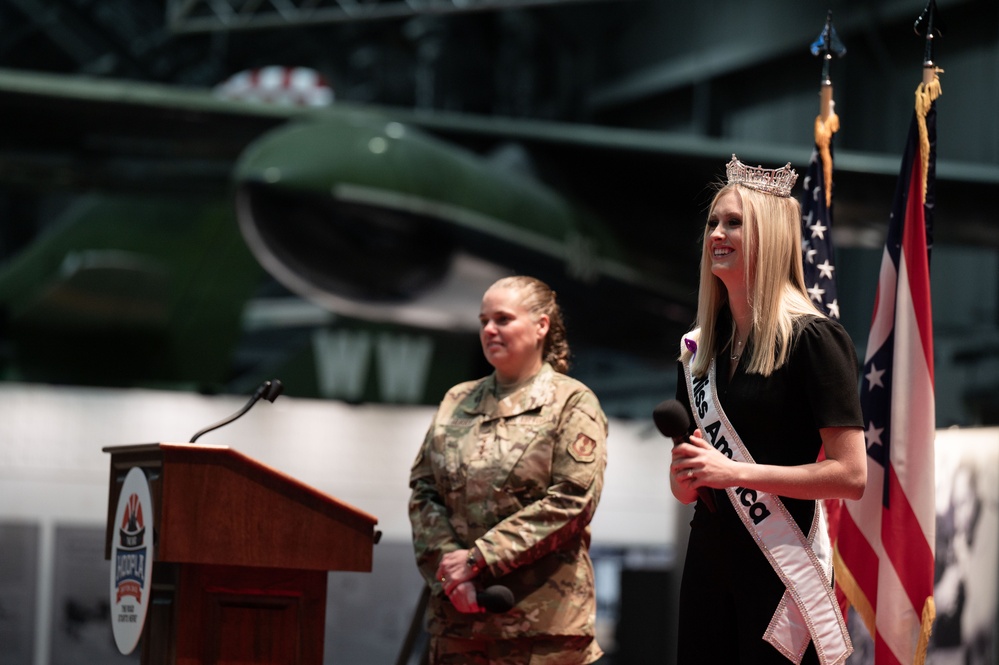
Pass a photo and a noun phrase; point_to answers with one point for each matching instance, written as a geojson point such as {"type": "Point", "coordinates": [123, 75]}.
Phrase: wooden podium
{"type": "Point", "coordinates": [241, 554]}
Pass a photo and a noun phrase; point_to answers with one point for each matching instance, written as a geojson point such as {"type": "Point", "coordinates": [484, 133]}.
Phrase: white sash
{"type": "Point", "coordinates": [808, 611]}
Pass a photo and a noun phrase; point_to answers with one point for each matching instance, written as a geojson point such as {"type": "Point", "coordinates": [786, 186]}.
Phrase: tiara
{"type": "Point", "coordinates": [771, 181]}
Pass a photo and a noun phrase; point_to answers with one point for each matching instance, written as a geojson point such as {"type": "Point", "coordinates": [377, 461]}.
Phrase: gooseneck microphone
{"type": "Point", "coordinates": [495, 599]}
{"type": "Point", "coordinates": [672, 421]}
{"type": "Point", "coordinates": [268, 390]}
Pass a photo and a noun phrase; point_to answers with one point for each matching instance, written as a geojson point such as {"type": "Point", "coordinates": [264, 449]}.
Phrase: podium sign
{"type": "Point", "coordinates": [240, 554]}
{"type": "Point", "coordinates": [131, 561]}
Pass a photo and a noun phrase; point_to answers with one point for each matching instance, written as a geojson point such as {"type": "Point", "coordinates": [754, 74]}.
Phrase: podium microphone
{"type": "Point", "coordinates": [495, 599]}
{"type": "Point", "coordinates": [268, 390]}
{"type": "Point", "coordinates": [672, 421]}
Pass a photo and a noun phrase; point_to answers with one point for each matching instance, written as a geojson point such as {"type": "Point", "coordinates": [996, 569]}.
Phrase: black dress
{"type": "Point", "coordinates": [729, 591]}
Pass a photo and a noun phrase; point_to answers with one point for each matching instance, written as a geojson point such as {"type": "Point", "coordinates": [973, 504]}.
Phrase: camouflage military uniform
{"type": "Point", "coordinates": [520, 478]}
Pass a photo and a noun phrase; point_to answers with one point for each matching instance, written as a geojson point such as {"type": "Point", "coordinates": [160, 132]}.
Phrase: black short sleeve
{"type": "Point", "coordinates": [824, 362]}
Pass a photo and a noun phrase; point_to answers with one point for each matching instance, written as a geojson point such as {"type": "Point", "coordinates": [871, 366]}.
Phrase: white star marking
{"type": "Point", "coordinates": [874, 377]}
{"type": "Point", "coordinates": [873, 435]}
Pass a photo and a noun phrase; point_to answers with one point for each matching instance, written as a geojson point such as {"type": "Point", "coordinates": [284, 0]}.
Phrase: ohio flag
{"type": "Point", "coordinates": [885, 549]}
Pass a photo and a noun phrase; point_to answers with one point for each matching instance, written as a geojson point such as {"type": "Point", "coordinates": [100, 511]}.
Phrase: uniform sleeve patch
{"type": "Point", "coordinates": [583, 449]}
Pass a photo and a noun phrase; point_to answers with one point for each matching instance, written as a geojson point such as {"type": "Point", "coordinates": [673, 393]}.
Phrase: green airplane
{"type": "Point", "coordinates": [182, 217]}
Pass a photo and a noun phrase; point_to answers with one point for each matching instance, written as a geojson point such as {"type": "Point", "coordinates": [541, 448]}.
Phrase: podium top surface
{"type": "Point", "coordinates": [198, 453]}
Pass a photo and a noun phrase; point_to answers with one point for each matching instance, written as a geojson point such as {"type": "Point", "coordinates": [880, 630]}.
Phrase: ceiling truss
{"type": "Point", "coordinates": [189, 16]}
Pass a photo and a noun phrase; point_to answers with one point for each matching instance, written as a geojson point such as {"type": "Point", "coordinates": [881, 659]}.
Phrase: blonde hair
{"type": "Point", "coordinates": [771, 245]}
{"type": "Point", "coordinates": [538, 298]}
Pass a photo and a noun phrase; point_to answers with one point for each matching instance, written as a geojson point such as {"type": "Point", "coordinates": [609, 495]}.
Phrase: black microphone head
{"type": "Point", "coordinates": [496, 599]}
{"type": "Point", "coordinates": [260, 391]}
{"type": "Point", "coordinates": [274, 388]}
{"type": "Point", "coordinates": [671, 418]}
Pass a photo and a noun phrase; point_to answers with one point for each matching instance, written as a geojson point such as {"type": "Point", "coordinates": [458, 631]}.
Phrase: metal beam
{"type": "Point", "coordinates": [196, 16]}
{"type": "Point", "coordinates": [707, 60]}
{"type": "Point", "coordinates": [51, 21]}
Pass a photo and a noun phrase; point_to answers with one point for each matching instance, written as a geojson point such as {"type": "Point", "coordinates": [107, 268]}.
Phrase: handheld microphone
{"type": "Point", "coordinates": [495, 599]}
{"type": "Point", "coordinates": [269, 390]}
{"type": "Point", "coordinates": [672, 421]}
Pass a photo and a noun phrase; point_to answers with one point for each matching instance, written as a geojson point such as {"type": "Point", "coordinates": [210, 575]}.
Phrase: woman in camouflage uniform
{"type": "Point", "coordinates": [503, 491]}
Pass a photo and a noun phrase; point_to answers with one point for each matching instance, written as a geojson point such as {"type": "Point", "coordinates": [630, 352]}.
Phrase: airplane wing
{"type": "Point", "coordinates": [70, 132]}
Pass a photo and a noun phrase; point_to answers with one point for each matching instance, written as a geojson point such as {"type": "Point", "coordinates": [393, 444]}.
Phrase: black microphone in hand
{"type": "Point", "coordinates": [672, 421]}
{"type": "Point", "coordinates": [269, 390]}
{"type": "Point", "coordinates": [495, 599]}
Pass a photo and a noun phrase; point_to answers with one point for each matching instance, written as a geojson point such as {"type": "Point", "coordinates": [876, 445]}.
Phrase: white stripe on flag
{"type": "Point", "coordinates": [884, 317]}
{"type": "Point", "coordinates": [913, 414]}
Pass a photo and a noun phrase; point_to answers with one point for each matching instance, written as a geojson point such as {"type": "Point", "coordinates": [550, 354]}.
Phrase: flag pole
{"type": "Point", "coordinates": [826, 47]}
{"type": "Point", "coordinates": [928, 26]}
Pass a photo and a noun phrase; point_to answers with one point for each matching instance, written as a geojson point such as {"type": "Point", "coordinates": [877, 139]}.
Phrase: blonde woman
{"type": "Point", "coordinates": [768, 381]}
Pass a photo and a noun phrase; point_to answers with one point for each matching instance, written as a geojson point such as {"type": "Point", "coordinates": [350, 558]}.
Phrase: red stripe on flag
{"type": "Point", "coordinates": [877, 303]}
{"type": "Point", "coordinates": [917, 259]}
{"type": "Point", "coordinates": [883, 655]}
{"type": "Point", "coordinates": [906, 545]}
{"type": "Point", "coordinates": [861, 558]}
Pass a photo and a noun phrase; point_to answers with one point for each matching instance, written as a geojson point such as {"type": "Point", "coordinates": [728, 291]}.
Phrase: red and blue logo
{"type": "Point", "coordinates": [130, 562]}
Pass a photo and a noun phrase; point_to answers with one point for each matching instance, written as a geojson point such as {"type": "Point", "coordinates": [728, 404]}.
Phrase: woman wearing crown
{"type": "Point", "coordinates": [770, 383]}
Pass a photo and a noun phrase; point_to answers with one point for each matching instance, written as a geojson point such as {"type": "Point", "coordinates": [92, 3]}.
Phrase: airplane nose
{"type": "Point", "coordinates": [299, 218]}
{"type": "Point", "coordinates": [347, 249]}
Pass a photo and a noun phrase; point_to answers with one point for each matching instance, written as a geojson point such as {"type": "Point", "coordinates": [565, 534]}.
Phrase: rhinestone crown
{"type": "Point", "coordinates": [771, 181]}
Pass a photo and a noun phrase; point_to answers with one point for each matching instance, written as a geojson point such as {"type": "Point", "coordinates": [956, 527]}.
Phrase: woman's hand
{"type": "Point", "coordinates": [453, 570]}
{"type": "Point", "coordinates": [455, 576]}
{"type": "Point", "coordinates": [463, 597]}
{"type": "Point", "coordinates": [695, 464]}
{"type": "Point", "coordinates": [842, 474]}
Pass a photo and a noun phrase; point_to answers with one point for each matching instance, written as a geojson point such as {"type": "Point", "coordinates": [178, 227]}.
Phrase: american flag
{"type": "Point", "coordinates": [885, 550]}
{"type": "Point", "coordinates": [816, 221]}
